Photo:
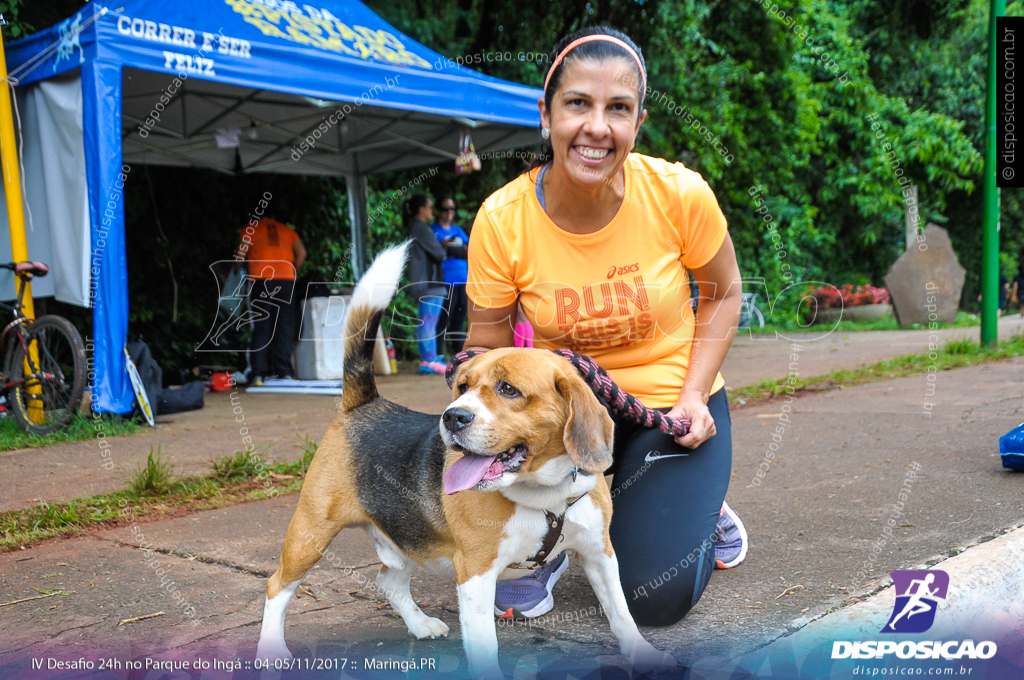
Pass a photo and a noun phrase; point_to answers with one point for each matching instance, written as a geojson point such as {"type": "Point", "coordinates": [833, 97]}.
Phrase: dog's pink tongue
{"type": "Point", "coordinates": [466, 472]}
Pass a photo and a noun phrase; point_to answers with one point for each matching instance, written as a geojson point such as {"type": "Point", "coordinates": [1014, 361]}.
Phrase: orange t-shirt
{"type": "Point", "coordinates": [271, 240]}
{"type": "Point", "coordinates": [621, 294]}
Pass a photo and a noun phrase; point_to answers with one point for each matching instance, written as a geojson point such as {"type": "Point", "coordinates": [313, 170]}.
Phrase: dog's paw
{"type": "Point", "coordinates": [273, 650]}
{"type": "Point", "coordinates": [428, 627]}
{"type": "Point", "coordinates": [650, 661]}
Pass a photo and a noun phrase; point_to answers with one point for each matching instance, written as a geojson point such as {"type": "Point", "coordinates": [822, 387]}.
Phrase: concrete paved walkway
{"type": "Point", "coordinates": [813, 520]}
{"type": "Point", "coordinates": [278, 423]}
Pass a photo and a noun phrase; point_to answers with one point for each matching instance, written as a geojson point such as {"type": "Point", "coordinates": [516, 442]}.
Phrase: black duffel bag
{"type": "Point", "coordinates": [188, 397]}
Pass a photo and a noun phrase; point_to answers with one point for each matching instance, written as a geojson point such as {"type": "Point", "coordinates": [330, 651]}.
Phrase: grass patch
{"type": "Point", "coordinates": [246, 464]}
{"type": "Point", "coordinates": [301, 464]}
{"type": "Point", "coordinates": [154, 492]}
{"type": "Point", "coordinates": [886, 323]}
{"type": "Point", "coordinates": [957, 353]}
{"type": "Point", "coordinates": [239, 464]}
{"type": "Point", "coordinates": [156, 479]}
{"type": "Point", "coordinates": [13, 437]}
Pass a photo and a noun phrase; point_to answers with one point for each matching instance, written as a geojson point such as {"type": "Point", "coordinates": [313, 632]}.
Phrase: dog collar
{"type": "Point", "coordinates": [577, 471]}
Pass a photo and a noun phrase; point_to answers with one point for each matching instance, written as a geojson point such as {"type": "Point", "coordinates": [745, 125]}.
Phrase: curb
{"type": "Point", "coordinates": [985, 601]}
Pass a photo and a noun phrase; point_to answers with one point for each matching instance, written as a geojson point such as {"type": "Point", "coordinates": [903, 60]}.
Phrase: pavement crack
{"type": "Point", "coordinates": [88, 625]}
{"type": "Point", "coordinates": [255, 622]}
{"type": "Point", "coordinates": [260, 573]}
{"type": "Point", "coordinates": [53, 637]}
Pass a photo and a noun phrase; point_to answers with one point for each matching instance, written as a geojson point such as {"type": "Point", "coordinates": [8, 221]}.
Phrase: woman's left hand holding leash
{"type": "Point", "coordinates": [691, 406]}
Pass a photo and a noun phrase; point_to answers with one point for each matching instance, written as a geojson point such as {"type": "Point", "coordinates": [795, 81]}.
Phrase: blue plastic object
{"type": "Point", "coordinates": [1011, 448]}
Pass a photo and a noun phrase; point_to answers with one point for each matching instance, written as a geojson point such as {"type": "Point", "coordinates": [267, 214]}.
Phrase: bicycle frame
{"type": "Point", "coordinates": [31, 351]}
{"type": "Point", "coordinates": [23, 279]}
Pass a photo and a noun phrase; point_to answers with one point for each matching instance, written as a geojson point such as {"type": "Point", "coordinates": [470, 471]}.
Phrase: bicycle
{"type": "Point", "coordinates": [749, 311]}
{"type": "Point", "coordinates": [43, 376]}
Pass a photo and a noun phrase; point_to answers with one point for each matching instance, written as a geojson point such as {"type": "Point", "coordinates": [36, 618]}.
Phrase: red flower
{"type": "Point", "coordinates": [831, 298]}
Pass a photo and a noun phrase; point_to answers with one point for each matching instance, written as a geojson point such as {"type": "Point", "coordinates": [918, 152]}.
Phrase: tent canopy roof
{"type": "Point", "coordinates": [240, 85]}
{"type": "Point", "coordinates": [236, 86]}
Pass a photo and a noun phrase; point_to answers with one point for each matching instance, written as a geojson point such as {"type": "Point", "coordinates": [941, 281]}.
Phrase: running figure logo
{"type": "Point", "coordinates": [917, 597]}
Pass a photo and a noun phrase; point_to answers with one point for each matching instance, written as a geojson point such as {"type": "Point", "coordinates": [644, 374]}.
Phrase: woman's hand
{"type": "Point", "coordinates": [691, 406]}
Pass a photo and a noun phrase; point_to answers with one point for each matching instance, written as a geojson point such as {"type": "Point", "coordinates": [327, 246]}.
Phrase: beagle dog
{"type": "Point", "coordinates": [523, 444]}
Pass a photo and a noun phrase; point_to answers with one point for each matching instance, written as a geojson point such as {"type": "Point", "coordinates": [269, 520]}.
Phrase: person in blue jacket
{"type": "Point", "coordinates": [451, 322]}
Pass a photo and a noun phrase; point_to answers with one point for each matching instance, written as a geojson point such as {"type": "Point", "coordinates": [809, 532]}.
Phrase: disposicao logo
{"type": "Point", "coordinates": [917, 597]}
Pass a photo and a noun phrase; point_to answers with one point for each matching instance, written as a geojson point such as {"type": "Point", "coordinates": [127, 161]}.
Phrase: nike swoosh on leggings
{"type": "Point", "coordinates": [650, 459]}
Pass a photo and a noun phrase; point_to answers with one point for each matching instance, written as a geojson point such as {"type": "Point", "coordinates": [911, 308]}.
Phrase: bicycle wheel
{"type": "Point", "coordinates": [755, 312]}
{"type": "Point", "coordinates": [58, 379]}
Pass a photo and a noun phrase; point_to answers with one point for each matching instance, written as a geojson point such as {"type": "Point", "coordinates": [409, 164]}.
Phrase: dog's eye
{"type": "Point", "coordinates": [507, 390]}
{"type": "Point", "coordinates": [462, 387]}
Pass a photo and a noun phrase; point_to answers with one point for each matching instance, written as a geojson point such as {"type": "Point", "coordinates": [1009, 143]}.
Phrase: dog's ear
{"type": "Point", "coordinates": [589, 430]}
{"type": "Point", "coordinates": [460, 373]}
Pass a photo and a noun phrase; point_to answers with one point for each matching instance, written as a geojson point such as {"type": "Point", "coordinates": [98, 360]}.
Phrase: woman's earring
{"type": "Point", "coordinates": [545, 133]}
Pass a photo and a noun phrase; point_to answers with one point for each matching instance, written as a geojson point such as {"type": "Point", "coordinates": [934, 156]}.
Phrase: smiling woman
{"type": "Point", "coordinates": [596, 244]}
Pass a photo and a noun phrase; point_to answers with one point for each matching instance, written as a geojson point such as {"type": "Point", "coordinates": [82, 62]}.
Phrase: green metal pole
{"type": "Point", "coordinates": [990, 235]}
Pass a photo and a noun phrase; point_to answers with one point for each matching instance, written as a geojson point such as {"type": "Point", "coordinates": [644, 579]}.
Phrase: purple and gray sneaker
{"type": "Point", "coordinates": [730, 539]}
{"type": "Point", "coordinates": [530, 595]}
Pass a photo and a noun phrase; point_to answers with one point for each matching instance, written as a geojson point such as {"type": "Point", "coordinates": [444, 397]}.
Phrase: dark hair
{"type": "Point", "coordinates": [413, 205]}
{"type": "Point", "coordinates": [598, 50]}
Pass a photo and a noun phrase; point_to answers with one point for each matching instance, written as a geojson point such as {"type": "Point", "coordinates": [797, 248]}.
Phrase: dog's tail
{"type": "Point", "coordinates": [369, 301]}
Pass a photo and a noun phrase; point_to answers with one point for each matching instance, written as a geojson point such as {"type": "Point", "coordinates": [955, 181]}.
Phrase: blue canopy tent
{"type": "Point", "coordinates": [236, 86]}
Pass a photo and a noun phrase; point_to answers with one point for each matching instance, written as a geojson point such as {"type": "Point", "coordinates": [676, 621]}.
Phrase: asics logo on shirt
{"type": "Point", "coordinates": [654, 455]}
{"type": "Point", "coordinates": [627, 269]}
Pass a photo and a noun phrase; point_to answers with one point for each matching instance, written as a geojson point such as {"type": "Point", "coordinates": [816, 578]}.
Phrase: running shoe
{"type": "Point", "coordinates": [530, 595]}
{"type": "Point", "coordinates": [432, 367]}
{"type": "Point", "coordinates": [257, 381]}
{"type": "Point", "coordinates": [731, 540]}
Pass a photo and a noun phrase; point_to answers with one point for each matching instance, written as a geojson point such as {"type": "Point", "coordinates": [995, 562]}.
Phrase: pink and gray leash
{"type": "Point", "coordinates": [622, 404]}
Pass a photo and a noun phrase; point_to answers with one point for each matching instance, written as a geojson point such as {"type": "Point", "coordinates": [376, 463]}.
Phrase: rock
{"type": "Point", "coordinates": [926, 281]}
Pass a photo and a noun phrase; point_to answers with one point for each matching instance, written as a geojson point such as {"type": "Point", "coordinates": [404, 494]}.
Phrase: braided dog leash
{"type": "Point", "coordinates": [622, 404]}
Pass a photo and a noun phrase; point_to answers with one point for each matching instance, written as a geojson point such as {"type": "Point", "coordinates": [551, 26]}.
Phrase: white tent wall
{"type": "Point", "coordinates": [56, 190]}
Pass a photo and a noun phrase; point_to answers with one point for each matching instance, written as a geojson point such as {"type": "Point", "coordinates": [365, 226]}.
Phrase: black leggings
{"type": "Point", "coordinates": [452, 318]}
{"type": "Point", "coordinates": [273, 335]}
{"type": "Point", "coordinates": [665, 512]}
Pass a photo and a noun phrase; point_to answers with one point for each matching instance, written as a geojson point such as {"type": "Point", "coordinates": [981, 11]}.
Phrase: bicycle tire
{"type": "Point", "coordinates": [61, 355]}
{"type": "Point", "coordinates": [755, 312]}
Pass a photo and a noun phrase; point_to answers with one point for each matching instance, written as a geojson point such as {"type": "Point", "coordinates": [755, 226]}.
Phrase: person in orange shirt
{"type": "Point", "coordinates": [274, 253]}
{"type": "Point", "coordinates": [597, 246]}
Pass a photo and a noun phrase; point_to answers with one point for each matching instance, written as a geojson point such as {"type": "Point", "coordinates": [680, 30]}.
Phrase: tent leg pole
{"type": "Point", "coordinates": [16, 220]}
{"type": "Point", "coordinates": [356, 187]}
{"type": "Point", "coordinates": [12, 181]}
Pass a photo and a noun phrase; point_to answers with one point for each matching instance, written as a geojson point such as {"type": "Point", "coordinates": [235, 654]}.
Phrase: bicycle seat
{"type": "Point", "coordinates": [37, 269]}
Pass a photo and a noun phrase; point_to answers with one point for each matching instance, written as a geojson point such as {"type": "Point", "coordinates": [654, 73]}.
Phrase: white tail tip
{"type": "Point", "coordinates": [380, 282]}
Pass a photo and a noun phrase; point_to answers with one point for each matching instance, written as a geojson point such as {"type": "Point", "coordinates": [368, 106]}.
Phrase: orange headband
{"type": "Point", "coordinates": [605, 38]}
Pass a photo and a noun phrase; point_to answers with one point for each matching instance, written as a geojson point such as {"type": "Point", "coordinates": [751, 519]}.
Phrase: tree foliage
{"type": "Point", "coordinates": [750, 74]}
{"type": "Point", "coordinates": [796, 126]}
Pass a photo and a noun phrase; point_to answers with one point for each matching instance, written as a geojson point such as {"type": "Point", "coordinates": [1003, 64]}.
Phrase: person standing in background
{"type": "Point", "coordinates": [426, 278]}
{"type": "Point", "coordinates": [275, 253]}
{"type": "Point", "coordinates": [1017, 293]}
{"type": "Point", "coordinates": [452, 320]}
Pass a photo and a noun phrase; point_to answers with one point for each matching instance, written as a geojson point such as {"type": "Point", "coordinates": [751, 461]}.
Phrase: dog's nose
{"type": "Point", "coordinates": [455, 419]}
